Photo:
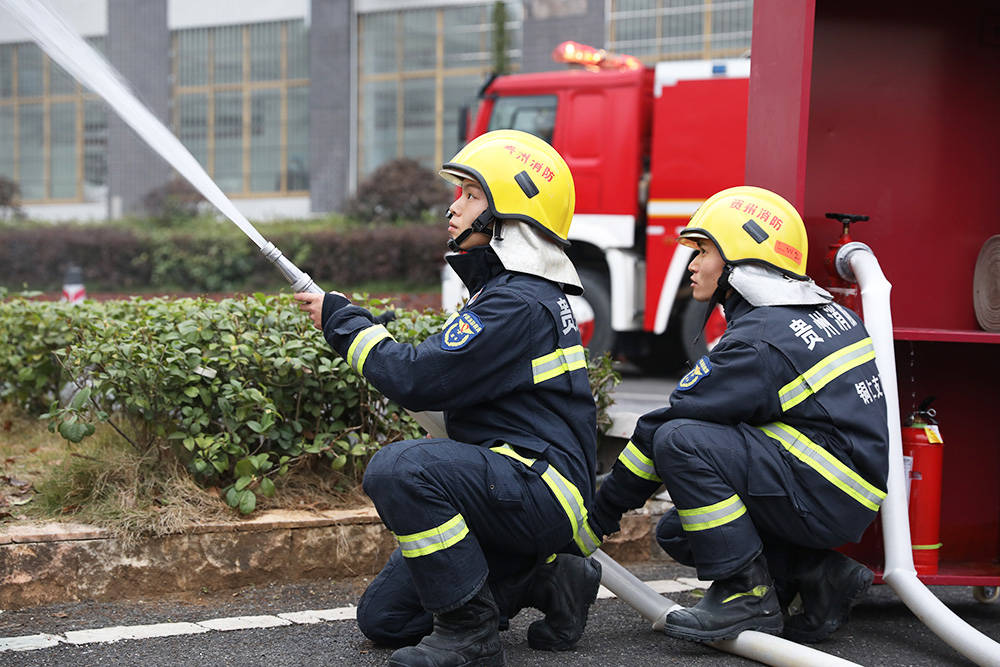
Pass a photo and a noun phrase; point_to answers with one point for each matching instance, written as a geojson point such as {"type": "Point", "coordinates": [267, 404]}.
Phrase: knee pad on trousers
{"type": "Point", "coordinates": [671, 537]}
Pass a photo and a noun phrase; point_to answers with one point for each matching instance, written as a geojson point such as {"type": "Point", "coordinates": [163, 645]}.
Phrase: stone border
{"type": "Point", "coordinates": [66, 562]}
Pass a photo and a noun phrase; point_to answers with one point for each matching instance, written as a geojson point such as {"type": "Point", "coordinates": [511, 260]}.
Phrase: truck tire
{"type": "Point", "coordinates": [597, 294]}
{"type": "Point", "coordinates": [698, 338]}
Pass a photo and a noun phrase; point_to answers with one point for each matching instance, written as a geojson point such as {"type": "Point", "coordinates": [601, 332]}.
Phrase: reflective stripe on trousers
{"type": "Point", "coordinates": [434, 539]}
{"type": "Point", "coordinates": [568, 496]}
{"type": "Point", "coordinates": [826, 464]}
{"type": "Point", "coordinates": [712, 516]}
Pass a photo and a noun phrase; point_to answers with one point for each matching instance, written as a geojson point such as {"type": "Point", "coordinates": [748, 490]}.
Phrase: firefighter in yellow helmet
{"type": "Point", "coordinates": [528, 194]}
{"type": "Point", "coordinates": [773, 447]}
{"type": "Point", "coordinates": [487, 519]}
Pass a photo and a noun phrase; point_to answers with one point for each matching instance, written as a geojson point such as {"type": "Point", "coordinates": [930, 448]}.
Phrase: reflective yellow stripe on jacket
{"type": "Point", "coordinates": [638, 463]}
{"type": "Point", "coordinates": [569, 498]}
{"type": "Point", "coordinates": [826, 464]}
{"type": "Point", "coordinates": [563, 360]}
{"type": "Point", "coordinates": [827, 370]}
{"type": "Point", "coordinates": [363, 344]}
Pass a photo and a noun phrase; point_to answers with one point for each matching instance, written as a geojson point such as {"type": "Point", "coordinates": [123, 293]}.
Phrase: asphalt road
{"type": "Point", "coordinates": [882, 631]}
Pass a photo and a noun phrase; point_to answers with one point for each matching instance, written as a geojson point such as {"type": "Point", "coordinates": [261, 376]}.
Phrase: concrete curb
{"type": "Point", "coordinates": [65, 562]}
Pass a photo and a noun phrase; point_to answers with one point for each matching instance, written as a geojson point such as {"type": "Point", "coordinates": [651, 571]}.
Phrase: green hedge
{"type": "Point", "coordinates": [213, 256]}
{"type": "Point", "coordinates": [238, 389]}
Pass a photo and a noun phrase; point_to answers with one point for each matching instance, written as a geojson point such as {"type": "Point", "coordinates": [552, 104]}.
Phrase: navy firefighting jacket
{"type": "Point", "coordinates": [805, 379]}
{"type": "Point", "coordinates": [509, 367]}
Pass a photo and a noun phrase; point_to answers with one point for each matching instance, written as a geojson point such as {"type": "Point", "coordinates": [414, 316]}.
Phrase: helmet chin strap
{"type": "Point", "coordinates": [480, 225]}
{"type": "Point", "coordinates": [718, 296]}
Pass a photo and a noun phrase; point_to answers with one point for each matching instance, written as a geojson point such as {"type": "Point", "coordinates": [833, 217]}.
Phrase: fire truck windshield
{"type": "Point", "coordinates": [530, 113]}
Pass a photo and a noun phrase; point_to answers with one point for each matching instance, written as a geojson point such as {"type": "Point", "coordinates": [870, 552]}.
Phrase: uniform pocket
{"type": "Point", "coordinates": [770, 474]}
{"type": "Point", "coordinates": [764, 486]}
{"type": "Point", "coordinates": [504, 482]}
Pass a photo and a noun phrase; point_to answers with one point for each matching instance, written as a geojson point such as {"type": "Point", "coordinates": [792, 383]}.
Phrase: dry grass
{"type": "Point", "coordinates": [26, 445]}
{"type": "Point", "coordinates": [28, 452]}
{"type": "Point", "coordinates": [315, 488]}
{"type": "Point", "coordinates": [104, 482]}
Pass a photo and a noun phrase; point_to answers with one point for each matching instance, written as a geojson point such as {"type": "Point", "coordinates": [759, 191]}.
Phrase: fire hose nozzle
{"type": "Point", "coordinates": [300, 281]}
{"type": "Point", "coordinates": [842, 261]}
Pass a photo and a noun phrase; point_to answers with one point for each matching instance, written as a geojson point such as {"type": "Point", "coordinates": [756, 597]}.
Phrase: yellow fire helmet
{"type": "Point", "coordinates": [524, 179]}
{"type": "Point", "coordinates": [751, 225]}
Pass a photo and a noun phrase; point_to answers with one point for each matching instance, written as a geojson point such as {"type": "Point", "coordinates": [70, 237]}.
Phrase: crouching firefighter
{"type": "Point", "coordinates": [773, 447]}
{"type": "Point", "coordinates": [490, 519]}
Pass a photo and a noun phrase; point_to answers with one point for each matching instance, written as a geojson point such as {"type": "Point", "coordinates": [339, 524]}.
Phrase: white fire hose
{"type": "Point", "coordinates": [758, 646]}
{"type": "Point", "coordinates": [856, 262]}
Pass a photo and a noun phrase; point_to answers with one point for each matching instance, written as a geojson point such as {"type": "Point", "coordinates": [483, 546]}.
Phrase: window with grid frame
{"type": "Point", "coordinates": [53, 132]}
{"type": "Point", "coordinates": [654, 30]}
{"type": "Point", "coordinates": [241, 104]}
{"type": "Point", "coordinates": [417, 69]}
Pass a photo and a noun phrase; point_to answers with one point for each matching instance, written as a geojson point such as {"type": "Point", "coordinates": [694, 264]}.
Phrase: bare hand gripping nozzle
{"type": "Point", "coordinates": [301, 282]}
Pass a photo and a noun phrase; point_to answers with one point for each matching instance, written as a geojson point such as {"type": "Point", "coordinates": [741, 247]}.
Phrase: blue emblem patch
{"type": "Point", "coordinates": [463, 329]}
{"type": "Point", "coordinates": [700, 370]}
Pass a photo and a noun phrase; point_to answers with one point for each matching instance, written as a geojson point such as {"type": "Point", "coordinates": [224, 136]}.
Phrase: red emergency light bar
{"type": "Point", "coordinates": [574, 53]}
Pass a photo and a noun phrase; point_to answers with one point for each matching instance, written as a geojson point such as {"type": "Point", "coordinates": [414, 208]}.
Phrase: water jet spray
{"type": "Point", "coordinates": [66, 47]}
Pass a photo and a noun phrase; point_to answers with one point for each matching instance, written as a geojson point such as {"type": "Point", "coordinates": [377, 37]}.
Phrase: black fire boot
{"type": "Point", "coordinates": [512, 594]}
{"type": "Point", "coordinates": [828, 589]}
{"type": "Point", "coordinates": [564, 589]}
{"type": "Point", "coordinates": [466, 636]}
{"type": "Point", "coordinates": [745, 601]}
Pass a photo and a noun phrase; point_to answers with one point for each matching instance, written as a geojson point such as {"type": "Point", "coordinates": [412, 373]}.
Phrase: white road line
{"type": "Point", "coordinates": [692, 582]}
{"type": "Point", "coordinates": [27, 642]}
{"type": "Point", "coordinates": [669, 586]}
{"type": "Point", "coordinates": [321, 615]}
{"type": "Point", "coordinates": [243, 622]}
{"type": "Point", "coordinates": [120, 632]}
{"type": "Point", "coordinates": [128, 632]}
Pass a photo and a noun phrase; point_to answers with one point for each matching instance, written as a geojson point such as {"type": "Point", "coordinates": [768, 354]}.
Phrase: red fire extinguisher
{"type": "Point", "coordinates": [844, 292]}
{"type": "Point", "coordinates": [923, 448]}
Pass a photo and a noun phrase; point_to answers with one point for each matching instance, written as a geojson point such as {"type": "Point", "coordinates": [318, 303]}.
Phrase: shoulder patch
{"type": "Point", "coordinates": [701, 369]}
{"type": "Point", "coordinates": [462, 329]}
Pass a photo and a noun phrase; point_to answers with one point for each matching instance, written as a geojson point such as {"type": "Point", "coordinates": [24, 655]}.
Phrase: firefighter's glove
{"type": "Point", "coordinates": [386, 317]}
{"type": "Point", "coordinates": [332, 302]}
{"type": "Point", "coordinates": [588, 537]}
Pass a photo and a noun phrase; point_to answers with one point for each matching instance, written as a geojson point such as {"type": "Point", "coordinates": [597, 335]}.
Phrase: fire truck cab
{"type": "Point", "coordinates": [646, 145]}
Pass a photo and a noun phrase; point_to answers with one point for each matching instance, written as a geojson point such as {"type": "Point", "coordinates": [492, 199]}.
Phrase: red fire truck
{"type": "Point", "coordinates": [646, 146]}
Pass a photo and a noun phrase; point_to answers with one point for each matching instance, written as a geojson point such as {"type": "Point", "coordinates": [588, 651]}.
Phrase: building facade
{"type": "Point", "coordinates": [288, 104]}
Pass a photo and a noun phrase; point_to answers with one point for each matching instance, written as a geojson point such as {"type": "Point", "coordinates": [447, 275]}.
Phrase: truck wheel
{"type": "Point", "coordinates": [986, 594]}
{"type": "Point", "coordinates": [597, 294]}
{"type": "Point", "coordinates": [698, 340]}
